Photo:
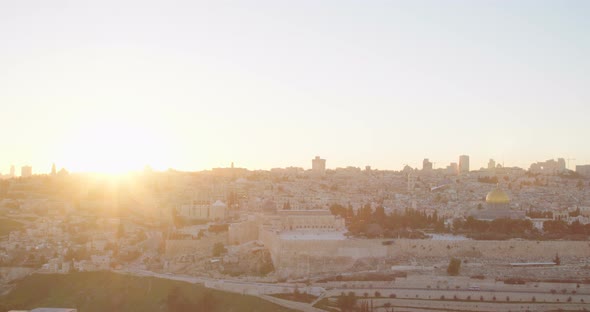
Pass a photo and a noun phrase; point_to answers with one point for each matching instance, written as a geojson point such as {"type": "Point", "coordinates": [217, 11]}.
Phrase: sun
{"type": "Point", "coordinates": [114, 148]}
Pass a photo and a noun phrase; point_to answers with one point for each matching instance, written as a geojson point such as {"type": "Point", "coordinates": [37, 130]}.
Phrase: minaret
{"type": "Point", "coordinates": [53, 172]}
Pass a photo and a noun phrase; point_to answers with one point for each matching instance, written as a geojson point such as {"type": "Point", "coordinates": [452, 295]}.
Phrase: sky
{"type": "Point", "coordinates": [109, 86]}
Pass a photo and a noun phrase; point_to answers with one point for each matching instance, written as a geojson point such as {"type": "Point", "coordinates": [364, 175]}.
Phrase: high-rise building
{"type": "Point", "coordinates": [318, 166]}
{"type": "Point", "coordinates": [12, 171]}
{"type": "Point", "coordinates": [26, 171]}
{"type": "Point", "coordinates": [426, 165]}
{"type": "Point", "coordinates": [561, 165]}
{"type": "Point", "coordinates": [491, 165]}
{"type": "Point", "coordinates": [463, 164]}
{"type": "Point", "coordinates": [452, 168]}
{"type": "Point", "coordinates": [583, 170]}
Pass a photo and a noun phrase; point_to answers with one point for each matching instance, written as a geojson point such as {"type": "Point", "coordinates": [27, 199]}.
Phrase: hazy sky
{"type": "Point", "coordinates": [116, 85]}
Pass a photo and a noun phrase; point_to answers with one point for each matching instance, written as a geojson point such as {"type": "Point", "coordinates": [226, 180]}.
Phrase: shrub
{"type": "Point", "coordinates": [454, 266]}
{"type": "Point", "coordinates": [218, 249]}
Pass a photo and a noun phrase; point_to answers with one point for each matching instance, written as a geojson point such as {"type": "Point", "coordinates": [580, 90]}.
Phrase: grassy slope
{"type": "Point", "coordinates": [105, 291]}
{"type": "Point", "coordinates": [7, 226]}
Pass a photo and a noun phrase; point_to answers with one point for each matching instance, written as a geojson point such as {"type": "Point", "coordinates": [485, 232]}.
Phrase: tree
{"type": "Point", "coordinates": [379, 215]}
{"type": "Point", "coordinates": [454, 266]}
{"type": "Point", "coordinates": [374, 230]}
{"type": "Point", "coordinates": [338, 210]}
{"type": "Point", "coordinates": [218, 249]}
{"type": "Point", "coordinates": [346, 302]}
{"type": "Point", "coordinates": [555, 226]}
{"type": "Point", "coordinates": [120, 230]}
{"type": "Point", "coordinates": [364, 306]}
{"type": "Point", "coordinates": [557, 260]}
{"type": "Point", "coordinates": [287, 206]}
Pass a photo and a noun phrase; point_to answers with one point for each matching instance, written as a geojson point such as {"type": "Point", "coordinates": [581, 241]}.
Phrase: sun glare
{"type": "Point", "coordinates": [113, 148]}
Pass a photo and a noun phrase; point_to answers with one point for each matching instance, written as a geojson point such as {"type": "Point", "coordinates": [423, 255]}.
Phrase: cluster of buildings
{"type": "Point", "coordinates": [204, 211]}
{"type": "Point", "coordinates": [284, 209]}
{"type": "Point", "coordinates": [492, 192]}
{"type": "Point", "coordinates": [549, 167]}
{"type": "Point", "coordinates": [62, 240]}
{"type": "Point", "coordinates": [453, 168]}
{"type": "Point", "coordinates": [27, 171]}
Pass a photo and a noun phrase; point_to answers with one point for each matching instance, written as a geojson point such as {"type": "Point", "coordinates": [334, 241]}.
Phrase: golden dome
{"type": "Point", "coordinates": [497, 196]}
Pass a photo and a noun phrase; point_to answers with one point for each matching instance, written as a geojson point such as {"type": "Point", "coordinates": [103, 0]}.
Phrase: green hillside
{"type": "Point", "coordinates": [106, 291]}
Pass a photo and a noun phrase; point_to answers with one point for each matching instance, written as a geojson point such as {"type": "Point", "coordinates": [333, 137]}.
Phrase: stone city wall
{"type": "Point", "coordinates": [243, 232]}
{"type": "Point", "coordinates": [304, 257]}
{"type": "Point", "coordinates": [177, 247]}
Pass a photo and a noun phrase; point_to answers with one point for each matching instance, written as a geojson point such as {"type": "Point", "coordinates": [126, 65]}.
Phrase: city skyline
{"type": "Point", "coordinates": [318, 167]}
{"type": "Point", "coordinates": [304, 155]}
{"type": "Point", "coordinates": [199, 85]}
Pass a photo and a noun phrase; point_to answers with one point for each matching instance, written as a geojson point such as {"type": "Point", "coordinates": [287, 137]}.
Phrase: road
{"type": "Point", "coordinates": [419, 298]}
{"type": "Point", "coordinates": [257, 289]}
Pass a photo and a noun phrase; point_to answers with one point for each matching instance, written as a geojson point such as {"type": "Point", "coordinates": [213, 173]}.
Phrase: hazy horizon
{"type": "Point", "coordinates": [110, 86]}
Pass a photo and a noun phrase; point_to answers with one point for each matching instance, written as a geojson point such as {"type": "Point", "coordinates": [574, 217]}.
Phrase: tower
{"type": "Point", "coordinates": [463, 164]}
{"type": "Point", "coordinates": [426, 165]}
{"type": "Point", "coordinates": [53, 171]}
{"type": "Point", "coordinates": [26, 171]}
{"type": "Point", "coordinates": [491, 165]}
{"type": "Point", "coordinates": [561, 165]}
{"type": "Point", "coordinates": [318, 166]}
